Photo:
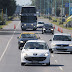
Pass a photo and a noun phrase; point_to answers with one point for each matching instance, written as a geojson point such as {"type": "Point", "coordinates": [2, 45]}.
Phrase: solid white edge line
{"type": "Point", "coordinates": [61, 68]}
{"type": "Point", "coordinates": [7, 45]}
{"type": "Point", "coordinates": [56, 61]}
{"type": "Point", "coordinates": [52, 55]}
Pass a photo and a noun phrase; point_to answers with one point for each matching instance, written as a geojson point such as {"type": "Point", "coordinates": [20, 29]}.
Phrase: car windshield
{"type": "Point", "coordinates": [28, 36]}
{"type": "Point", "coordinates": [40, 22]}
{"type": "Point", "coordinates": [35, 45]}
{"type": "Point", "coordinates": [62, 38]}
{"type": "Point", "coordinates": [48, 26]}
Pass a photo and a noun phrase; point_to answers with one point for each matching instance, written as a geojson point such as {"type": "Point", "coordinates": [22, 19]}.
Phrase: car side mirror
{"type": "Point", "coordinates": [50, 40]}
{"type": "Point", "coordinates": [17, 37]}
{"type": "Point", "coordinates": [38, 37]}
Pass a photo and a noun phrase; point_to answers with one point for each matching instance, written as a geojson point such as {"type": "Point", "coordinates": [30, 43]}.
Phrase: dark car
{"type": "Point", "coordinates": [25, 37]}
{"type": "Point", "coordinates": [48, 28]}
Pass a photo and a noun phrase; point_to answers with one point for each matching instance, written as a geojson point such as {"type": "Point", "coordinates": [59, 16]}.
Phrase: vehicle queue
{"type": "Point", "coordinates": [37, 51]}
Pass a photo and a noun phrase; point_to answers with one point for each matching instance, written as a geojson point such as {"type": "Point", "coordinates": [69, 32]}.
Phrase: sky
{"type": "Point", "coordinates": [23, 2]}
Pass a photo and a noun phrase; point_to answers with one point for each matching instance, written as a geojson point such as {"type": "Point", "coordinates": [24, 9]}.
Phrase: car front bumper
{"type": "Point", "coordinates": [62, 49]}
{"type": "Point", "coordinates": [35, 60]}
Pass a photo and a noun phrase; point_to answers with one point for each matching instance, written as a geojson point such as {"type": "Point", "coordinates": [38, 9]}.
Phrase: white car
{"type": "Point", "coordinates": [40, 24]}
{"type": "Point", "coordinates": [61, 42]}
{"type": "Point", "coordinates": [35, 51]}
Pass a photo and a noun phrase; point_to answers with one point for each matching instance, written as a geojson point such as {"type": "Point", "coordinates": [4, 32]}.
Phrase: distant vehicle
{"type": "Point", "coordinates": [40, 24]}
{"type": "Point", "coordinates": [25, 37]}
{"type": "Point", "coordinates": [61, 42]}
{"type": "Point", "coordinates": [36, 52]}
{"type": "Point", "coordinates": [48, 28]}
{"type": "Point", "coordinates": [28, 18]}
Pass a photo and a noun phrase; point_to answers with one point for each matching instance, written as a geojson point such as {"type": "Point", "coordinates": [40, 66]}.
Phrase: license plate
{"type": "Point", "coordinates": [34, 61]}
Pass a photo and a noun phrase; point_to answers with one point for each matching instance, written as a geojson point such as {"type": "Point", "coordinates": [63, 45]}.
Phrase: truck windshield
{"type": "Point", "coordinates": [28, 10]}
{"type": "Point", "coordinates": [28, 19]}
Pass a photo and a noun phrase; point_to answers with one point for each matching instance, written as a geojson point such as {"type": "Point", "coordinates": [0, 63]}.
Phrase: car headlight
{"type": "Point", "coordinates": [32, 24]}
{"type": "Point", "coordinates": [46, 54]}
{"type": "Point", "coordinates": [51, 29]}
{"type": "Point", "coordinates": [21, 42]}
{"type": "Point", "coordinates": [53, 44]}
{"type": "Point", "coordinates": [70, 45]}
{"type": "Point", "coordinates": [43, 28]}
{"type": "Point", "coordinates": [24, 54]}
{"type": "Point", "coordinates": [24, 24]}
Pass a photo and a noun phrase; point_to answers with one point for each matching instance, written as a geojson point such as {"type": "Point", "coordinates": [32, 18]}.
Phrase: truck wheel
{"type": "Point", "coordinates": [34, 29]}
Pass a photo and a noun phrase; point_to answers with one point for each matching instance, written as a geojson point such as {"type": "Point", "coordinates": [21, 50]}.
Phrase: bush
{"type": "Point", "coordinates": [60, 22]}
{"type": "Point", "coordinates": [50, 18]}
{"type": "Point", "coordinates": [54, 20]}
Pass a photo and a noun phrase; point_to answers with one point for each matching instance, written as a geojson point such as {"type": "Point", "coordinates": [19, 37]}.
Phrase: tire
{"type": "Point", "coordinates": [51, 51]}
{"type": "Point", "coordinates": [42, 32]}
{"type": "Point", "coordinates": [70, 52]}
{"type": "Point", "coordinates": [35, 29]}
{"type": "Point", "coordinates": [22, 64]}
{"type": "Point", "coordinates": [52, 33]}
{"type": "Point", "coordinates": [48, 64]}
{"type": "Point", "coordinates": [19, 47]}
{"type": "Point", "coordinates": [21, 29]}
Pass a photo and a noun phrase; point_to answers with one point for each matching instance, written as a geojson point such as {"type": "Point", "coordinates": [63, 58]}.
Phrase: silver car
{"type": "Point", "coordinates": [61, 42]}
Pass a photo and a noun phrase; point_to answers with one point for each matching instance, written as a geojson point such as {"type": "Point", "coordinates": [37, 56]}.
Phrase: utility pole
{"type": "Point", "coordinates": [51, 7]}
{"type": "Point", "coordinates": [2, 14]}
{"type": "Point", "coordinates": [69, 7]}
{"type": "Point", "coordinates": [55, 8]}
{"type": "Point", "coordinates": [44, 6]}
{"type": "Point", "coordinates": [48, 8]}
{"type": "Point", "coordinates": [40, 7]}
{"type": "Point", "coordinates": [62, 9]}
{"type": "Point", "coordinates": [6, 13]}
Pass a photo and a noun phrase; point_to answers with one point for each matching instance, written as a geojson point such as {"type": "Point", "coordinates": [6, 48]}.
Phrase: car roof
{"type": "Point", "coordinates": [40, 21]}
{"type": "Point", "coordinates": [27, 33]}
{"type": "Point", "coordinates": [48, 24]}
{"type": "Point", "coordinates": [36, 41]}
{"type": "Point", "coordinates": [62, 34]}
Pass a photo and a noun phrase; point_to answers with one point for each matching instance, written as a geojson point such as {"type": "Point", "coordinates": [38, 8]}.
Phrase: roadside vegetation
{"type": "Point", "coordinates": [7, 10]}
{"type": "Point", "coordinates": [58, 21]}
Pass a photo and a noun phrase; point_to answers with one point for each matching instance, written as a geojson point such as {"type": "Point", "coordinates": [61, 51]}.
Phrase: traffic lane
{"type": "Point", "coordinates": [5, 35]}
{"type": "Point", "coordinates": [60, 58]}
{"type": "Point", "coordinates": [11, 60]}
{"type": "Point", "coordinates": [56, 27]}
{"type": "Point", "coordinates": [34, 68]}
{"type": "Point", "coordinates": [64, 58]}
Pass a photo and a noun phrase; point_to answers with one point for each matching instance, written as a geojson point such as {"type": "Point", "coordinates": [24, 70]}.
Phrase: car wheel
{"type": "Point", "coordinates": [22, 64]}
{"type": "Point", "coordinates": [48, 64]}
{"type": "Point", "coordinates": [21, 29]}
{"type": "Point", "coordinates": [19, 47]}
{"type": "Point", "coordinates": [42, 32]}
{"type": "Point", "coordinates": [51, 51]}
{"type": "Point", "coordinates": [34, 29]}
{"type": "Point", "coordinates": [70, 52]}
{"type": "Point", "coordinates": [52, 33]}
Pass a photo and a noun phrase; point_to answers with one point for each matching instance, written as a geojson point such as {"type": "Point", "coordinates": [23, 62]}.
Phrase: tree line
{"type": "Point", "coordinates": [9, 5]}
{"type": "Point", "coordinates": [45, 3]}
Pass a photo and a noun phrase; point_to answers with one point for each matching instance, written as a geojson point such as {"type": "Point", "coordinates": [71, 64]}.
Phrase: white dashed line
{"type": "Point", "coordinates": [7, 45]}
{"type": "Point", "coordinates": [61, 68]}
{"type": "Point", "coordinates": [52, 55]}
{"type": "Point", "coordinates": [56, 61]}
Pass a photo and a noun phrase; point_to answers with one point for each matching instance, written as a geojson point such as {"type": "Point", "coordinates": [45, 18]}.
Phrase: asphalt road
{"type": "Point", "coordinates": [10, 54]}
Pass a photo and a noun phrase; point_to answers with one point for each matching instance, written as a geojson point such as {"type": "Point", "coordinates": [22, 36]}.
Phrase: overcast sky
{"type": "Point", "coordinates": [23, 2]}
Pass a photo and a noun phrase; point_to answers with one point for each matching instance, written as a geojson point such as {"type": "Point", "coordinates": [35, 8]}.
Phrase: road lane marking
{"type": "Point", "coordinates": [52, 55]}
{"type": "Point", "coordinates": [61, 68]}
{"type": "Point", "coordinates": [39, 35]}
{"type": "Point", "coordinates": [7, 45]}
{"type": "Point", "coordinates": [56, 61]}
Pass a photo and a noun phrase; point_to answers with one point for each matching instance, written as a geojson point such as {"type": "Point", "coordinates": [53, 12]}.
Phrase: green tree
{"type": "Point", "coordinates": [10, 5]}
